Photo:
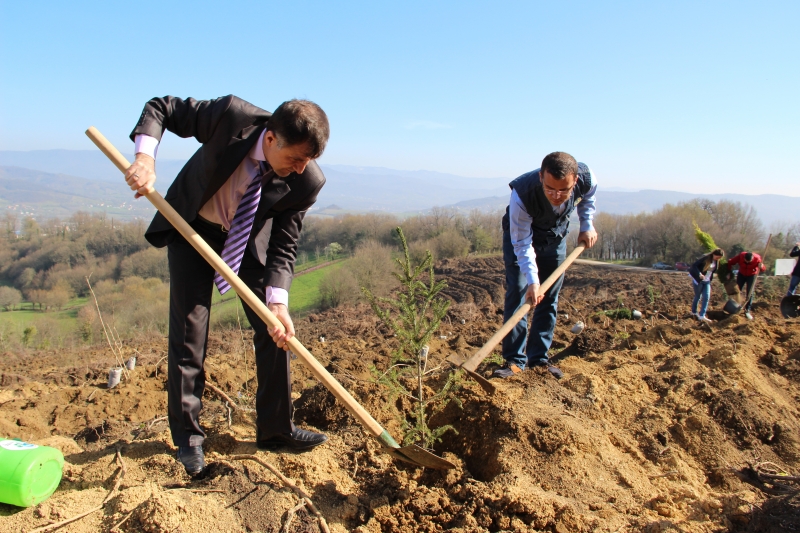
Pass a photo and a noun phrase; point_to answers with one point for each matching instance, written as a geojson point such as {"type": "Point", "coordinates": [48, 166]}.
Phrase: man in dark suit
{"type": "Point", "coordinates": [245, 191]}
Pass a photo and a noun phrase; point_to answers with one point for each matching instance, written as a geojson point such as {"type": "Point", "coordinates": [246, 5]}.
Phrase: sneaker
{"type": "Point", "coordinates": [695, 316]}
{"type": "Point", "coordinates": [192, 459]}
{"type": "Point", "coordinates": [507, 370]}
{"type": "Point", "coordinates": [748, 316]}
{"type": "Point", "coordinates": [555, 371]}
{"type": "Point", "coordinates": [703, 319]}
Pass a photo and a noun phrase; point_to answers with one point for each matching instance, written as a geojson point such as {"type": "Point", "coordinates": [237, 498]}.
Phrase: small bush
{"type": "Point", "coordinates": [339, 286]}
{"type": "Point", "coordinates": [148, 263]}
{"type": "Point", "coordinates": [450, 244]}
{"type": "Point", "coordinates": [371, 266]}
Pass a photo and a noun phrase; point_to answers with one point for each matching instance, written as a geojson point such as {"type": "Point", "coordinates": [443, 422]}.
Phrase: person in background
{"type": "Point", "coordinates": [795, 281]}
{"type": "Point", "coordinates": [702, 272]}
{"type": "Point", "coordinates": [750, 265]}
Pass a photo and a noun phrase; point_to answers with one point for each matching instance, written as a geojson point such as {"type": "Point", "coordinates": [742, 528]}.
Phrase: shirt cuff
{"type": "Point", "coordinates": [146, 145]}
{"type": "Point", "coordinates": [532, 278]}
{"type": "Point", "coordinates": [586, 225]}
{"type": "Point", "coordinates": [276, 295]}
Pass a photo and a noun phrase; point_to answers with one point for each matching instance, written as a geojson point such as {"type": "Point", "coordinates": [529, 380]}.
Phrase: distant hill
{"type": "Point", "coordinates": [39, 194]}
{"type": "Point", "coordinates": [770, 207]}
{"type": "Point", "coordinates": [89, 164]}
{"type": "Point", "coordinates": [395, 191]}
{"type": "Point", "coordinates": [349, 188]}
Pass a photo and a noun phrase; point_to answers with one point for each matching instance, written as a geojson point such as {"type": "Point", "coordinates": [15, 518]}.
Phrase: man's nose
{"type": "Point", "coordinates": [300, 167]}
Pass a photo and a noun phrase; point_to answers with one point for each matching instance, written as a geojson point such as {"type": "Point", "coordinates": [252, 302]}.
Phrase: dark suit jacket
{"type": "Point", "coordinates": [228, 127]}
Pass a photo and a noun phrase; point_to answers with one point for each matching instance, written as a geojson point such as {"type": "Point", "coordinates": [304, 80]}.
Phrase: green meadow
{"type": "Point", "coordinates": [303, 298]}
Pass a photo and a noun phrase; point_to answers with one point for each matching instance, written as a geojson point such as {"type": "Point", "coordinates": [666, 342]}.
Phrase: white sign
{"type": "Point", "coordinates": [784, 267]}
{"type": "Point", "coordinates": [16, 445]}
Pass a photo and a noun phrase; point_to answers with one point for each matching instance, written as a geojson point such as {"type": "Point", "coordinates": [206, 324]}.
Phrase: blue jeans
{"type": "Point", "coordinates": [793, 283]}
{"type": "Point", "coordinates": [702, 292]}
{"type": "Point", "coordinates": [548, 258]}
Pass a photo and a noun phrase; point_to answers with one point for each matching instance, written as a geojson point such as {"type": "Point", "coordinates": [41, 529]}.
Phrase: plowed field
{"type": "Point", "coordinates": [658, 425]}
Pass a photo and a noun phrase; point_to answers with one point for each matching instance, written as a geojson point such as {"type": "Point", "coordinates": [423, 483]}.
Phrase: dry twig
{"type": "Point", "coordinates": [290, 515]}
{"type": "Point", "coordinates": [222, 394]}
{"type": "Point", "coordinates": [115, 529]}
{"type": "Point", "coordinates": [665, 474]}
{"type": "Point", "coordinates": [155, 421]}
{"type": "Point", "coordinates": [286, 481]}
{"type": "Point", "coordinates": [120, 474]}
{"type": "Point", "coordinates": [106, 331]}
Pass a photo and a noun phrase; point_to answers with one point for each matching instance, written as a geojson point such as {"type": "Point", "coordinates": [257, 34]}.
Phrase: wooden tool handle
{"type": "Point", "coordinates": [472, 363]}
{"type": "Point", "coordinates": [244, 291]}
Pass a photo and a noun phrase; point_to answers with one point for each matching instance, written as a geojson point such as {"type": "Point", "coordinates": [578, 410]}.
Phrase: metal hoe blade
{"type": "Point", "coordinates": [420, 457]}
{"type": "Point", "coordinates": [485, 384]}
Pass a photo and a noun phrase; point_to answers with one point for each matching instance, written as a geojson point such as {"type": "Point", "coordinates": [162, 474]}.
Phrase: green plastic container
{"type": "Point", "coordinates": [29, 474]}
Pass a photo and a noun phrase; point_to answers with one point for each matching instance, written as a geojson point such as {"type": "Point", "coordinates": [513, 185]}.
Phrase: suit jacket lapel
{"type": "Point", "coordinates": [232, 156]}
{"type": "Point", "coordinates": [273, 189]}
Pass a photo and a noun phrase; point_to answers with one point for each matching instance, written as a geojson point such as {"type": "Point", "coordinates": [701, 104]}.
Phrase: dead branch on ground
{"type": "Point", "coordinates": [769, 478]}
{"type": "Point", "coordinates": [286, 481]}
{"type": "Point", "coordinates": [119, 475]}
{"type": "Point", "coordinates": [290, 515]}
{"type": "Point", "coordinates": [222, 395]}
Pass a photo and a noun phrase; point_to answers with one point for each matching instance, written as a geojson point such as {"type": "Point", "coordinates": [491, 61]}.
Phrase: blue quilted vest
{"type": "Point", "coordinates": [547, 226]}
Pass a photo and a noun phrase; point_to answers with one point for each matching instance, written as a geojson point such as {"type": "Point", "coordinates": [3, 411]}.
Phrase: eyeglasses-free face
{"type": "Point", "coordinates": [558, 191]}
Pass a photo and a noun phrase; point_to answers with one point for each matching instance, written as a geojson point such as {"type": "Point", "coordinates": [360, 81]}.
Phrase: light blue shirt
{"type": "Point", "coordinates": [522, 234]}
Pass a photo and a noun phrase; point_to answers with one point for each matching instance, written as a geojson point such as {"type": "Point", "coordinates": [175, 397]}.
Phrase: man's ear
{"type": "Point", "coordinates": [270, 139]}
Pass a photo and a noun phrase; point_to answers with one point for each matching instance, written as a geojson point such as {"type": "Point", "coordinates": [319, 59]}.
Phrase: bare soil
{"type": "Point", "coordinates": [652, 429]}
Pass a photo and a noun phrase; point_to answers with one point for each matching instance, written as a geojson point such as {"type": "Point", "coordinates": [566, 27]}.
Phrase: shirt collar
{"type": "Point", "coordinates": [257, 152]}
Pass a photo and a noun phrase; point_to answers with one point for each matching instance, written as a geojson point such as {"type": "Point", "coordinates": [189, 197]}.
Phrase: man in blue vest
{"type": "Point", "coordinates": [535, 228]}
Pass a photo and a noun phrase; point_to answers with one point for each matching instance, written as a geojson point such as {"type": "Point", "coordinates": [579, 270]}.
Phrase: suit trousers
{"type": "Point", "coordinates": [191, 288]}
{"type": "Point", "coordinates": [548, 257]}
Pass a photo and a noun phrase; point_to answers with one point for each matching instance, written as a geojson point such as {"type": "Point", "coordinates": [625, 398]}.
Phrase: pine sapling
{"type": "Point", "coordinates": [414, 315]}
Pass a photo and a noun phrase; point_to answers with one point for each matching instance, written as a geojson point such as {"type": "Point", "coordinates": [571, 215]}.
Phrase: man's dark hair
{"type": "Point", "coordinates": [559, 165]}
{"type": "Point", "coordinates": [301, 122]}
{"type": "Point", "coordinates": [748, 257]}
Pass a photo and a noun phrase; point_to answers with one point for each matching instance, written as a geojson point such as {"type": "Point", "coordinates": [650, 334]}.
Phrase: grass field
{"type": "Point", "coordinates": [22, 318]}
{"type": "Point", "coordinates": [303, 298]}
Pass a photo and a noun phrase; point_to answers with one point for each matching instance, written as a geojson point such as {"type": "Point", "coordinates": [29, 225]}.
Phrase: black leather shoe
{"type": "Point", "coordinates": [299, 439]}
{"type": "Point", "coordinates": [192, 459]}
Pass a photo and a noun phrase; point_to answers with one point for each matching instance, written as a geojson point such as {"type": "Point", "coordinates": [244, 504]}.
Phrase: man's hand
{"type": "Point", "coordinates": [141, 175]}
{"type": "Point", "coordinates": [282, 313]}
{"type": "Point", "coordinates": [589, 237]}
{"type": "Point", "coordinates": [533, 295]}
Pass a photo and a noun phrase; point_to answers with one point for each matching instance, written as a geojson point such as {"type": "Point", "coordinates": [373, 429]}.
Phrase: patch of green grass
{"type": "Point", "coordinates": [19, 319]}
{"type": "Point", "coordinates": [304, 294]}
{"type": "Point", "coordinates": [312, 264]}
{"type": "Point", "coordinates": [495, 358]}
{"type": "Point", "coordinates": [303, 298]}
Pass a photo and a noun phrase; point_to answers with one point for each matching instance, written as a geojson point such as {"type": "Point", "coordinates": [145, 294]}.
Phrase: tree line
{"type": "Point", "coordinates": [668, 233]}
{"type": "Point", "coordinates": [47, 262]}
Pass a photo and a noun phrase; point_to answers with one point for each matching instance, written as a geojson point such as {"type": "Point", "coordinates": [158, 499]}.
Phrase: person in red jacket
{"type": "Point", "coordinates": [750, 266]}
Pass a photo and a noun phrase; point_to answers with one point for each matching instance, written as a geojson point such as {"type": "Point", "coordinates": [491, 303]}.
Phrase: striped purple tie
{"type": "Point", "coordinates": [238, 235]}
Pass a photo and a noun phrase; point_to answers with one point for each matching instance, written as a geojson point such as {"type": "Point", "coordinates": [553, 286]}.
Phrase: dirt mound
{"type": "Point", "coordinates": [646, 432]}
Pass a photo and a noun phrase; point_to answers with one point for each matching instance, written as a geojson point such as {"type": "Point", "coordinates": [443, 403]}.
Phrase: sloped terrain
{"type": "Point", "coordinates": [652, 429]}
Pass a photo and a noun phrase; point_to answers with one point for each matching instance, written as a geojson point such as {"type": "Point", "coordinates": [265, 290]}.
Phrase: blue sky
{"type": "Point", "coordinates": [689, 96]}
